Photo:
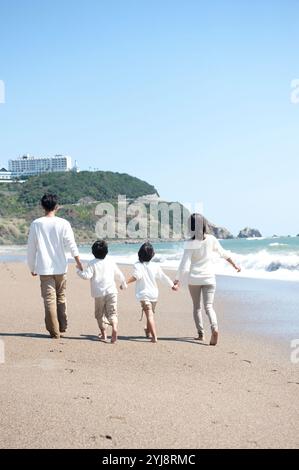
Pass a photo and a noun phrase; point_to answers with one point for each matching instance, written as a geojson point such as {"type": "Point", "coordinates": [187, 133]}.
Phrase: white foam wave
{"type": "Point", "coordinates": [278, 244]}
{"type": "Point", "coordinates": [255, 238]}
{"type": "Point", "coordinates": [265, 263]}
{"type": "Point", "coordinates": [261, 264]}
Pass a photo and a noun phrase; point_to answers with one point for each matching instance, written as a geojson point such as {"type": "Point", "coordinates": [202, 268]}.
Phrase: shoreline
{"type": "Point", "coordinates": [11, 259]}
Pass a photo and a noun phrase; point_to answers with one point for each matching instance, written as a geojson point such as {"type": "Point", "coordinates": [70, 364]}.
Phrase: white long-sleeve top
{"type": "Point", "coordinates": [146, 275]}
{"type": "Point", "coordinates": [50, 238]}
{"type": "Point", "coordinates": [102, 274]}
{"type": "Point", "coordinates": [197, 266]}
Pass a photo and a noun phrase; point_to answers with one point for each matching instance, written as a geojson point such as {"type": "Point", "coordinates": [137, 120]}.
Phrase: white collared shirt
{"type": "Point", "coordinates": [102, 274]}
{"type": "Point", "coordinates": [146, 275]}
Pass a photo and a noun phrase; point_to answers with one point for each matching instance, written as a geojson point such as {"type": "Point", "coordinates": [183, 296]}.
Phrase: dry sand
{"type": "Point", "coordinates": [78, 392]}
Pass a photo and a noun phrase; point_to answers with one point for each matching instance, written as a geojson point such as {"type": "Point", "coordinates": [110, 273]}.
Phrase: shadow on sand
{"type": "Point", "coordinates": [83, 337]}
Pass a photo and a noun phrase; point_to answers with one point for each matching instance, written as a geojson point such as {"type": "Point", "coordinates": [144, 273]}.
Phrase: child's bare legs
{"type": "Point", "coordinates": [146, 331]}
{"type": "Point", "coordinates": [103, 334]}
{"type": "Point", "coordinates": [149, 309]}
{"type": "Point", "coordinates": [99, 314]}
{"type": "Point", "coordinates": [111, 314]}
{"type": "Point", "coordinates": [114, 324]}
{"type": "Point", "coordinates": [151, 326]}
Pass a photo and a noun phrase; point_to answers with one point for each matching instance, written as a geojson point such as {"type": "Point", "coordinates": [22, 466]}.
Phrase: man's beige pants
{"type": "Point", "coordinates": [53, 292]}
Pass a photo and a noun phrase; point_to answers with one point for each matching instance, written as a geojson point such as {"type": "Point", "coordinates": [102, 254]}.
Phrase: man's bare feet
{"type": "Point", "coordinates": [214, 338]}
{"type": "Point", "coordinates": [114, 337]}
{"type": "Point", "coordinates": [154, 340]}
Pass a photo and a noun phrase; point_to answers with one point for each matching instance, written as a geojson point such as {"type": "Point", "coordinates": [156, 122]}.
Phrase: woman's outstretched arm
{"type": "Point", "coordinates": [230, 261]}
{"type": "Point", "coordinates": [224, 254]}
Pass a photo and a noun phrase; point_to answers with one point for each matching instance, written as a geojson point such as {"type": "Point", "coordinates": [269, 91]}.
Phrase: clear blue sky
{"type": "Point", "coordinates": [192, 96]}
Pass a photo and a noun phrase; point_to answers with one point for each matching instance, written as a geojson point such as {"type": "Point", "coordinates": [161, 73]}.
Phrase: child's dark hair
{"type": "Point", "coordinates": [100, 249]}
{"type": "Point", "coordinates": [49, 202]}
{"type": "Point", "coordinates": [146, 252]}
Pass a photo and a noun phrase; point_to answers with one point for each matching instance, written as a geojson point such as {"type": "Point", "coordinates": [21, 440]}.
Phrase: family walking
{"type": "Point", "coordinates": [51, 237]}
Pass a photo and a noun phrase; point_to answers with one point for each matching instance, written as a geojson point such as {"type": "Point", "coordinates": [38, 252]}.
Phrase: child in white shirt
{"type": "Point", "coordinates": [101, 272]}
{"type": "Point", "coordinates": [145, 275]}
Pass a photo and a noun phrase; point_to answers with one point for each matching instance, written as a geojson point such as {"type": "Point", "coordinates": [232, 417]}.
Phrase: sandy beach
{"type": "Point", "coordinates": [79, 393]}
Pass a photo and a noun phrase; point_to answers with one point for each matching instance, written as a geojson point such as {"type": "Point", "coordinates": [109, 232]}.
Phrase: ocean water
{"type": "Point", "coordinates": [267, 258]}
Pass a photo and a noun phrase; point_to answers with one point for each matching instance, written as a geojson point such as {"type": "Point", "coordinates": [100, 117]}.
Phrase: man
{"type": "Point", "coordinates": [49, 238]}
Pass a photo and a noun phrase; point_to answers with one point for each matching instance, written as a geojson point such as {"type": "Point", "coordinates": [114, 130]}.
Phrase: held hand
{"type": "Point", "coordinates": [237, 268]}
{"type": "Point", "coordinates": [33, 274]}
{"type": "Point", "coordinates": [175, 287]}
{"type": "Point", "coordinates": [79, 265]}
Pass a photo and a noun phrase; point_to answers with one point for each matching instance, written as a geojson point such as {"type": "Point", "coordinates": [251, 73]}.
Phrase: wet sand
{"type": "Point", "coordinates": [78, 392]}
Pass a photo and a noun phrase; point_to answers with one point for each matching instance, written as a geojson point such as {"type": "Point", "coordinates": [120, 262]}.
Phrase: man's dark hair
{"type": "Point", "coordinates": [49, 202]}
{"type": "Point", "coordinates": [100, 249]}
{"type": "Point", "coordinates": [146, 252]}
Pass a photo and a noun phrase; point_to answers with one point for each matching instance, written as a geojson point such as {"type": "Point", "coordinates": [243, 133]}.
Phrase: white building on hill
{"type": "Point", "coordinates": [5, 176]}
{"type": "Point", "coordinates": [30, 166]}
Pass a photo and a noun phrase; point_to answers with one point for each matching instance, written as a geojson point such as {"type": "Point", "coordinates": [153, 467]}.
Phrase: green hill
{"type": "Point", "coordinates": [19, 202]}
{"type": "Point", "coordinates": [71, 187]}
{"type": "Point", "coordinates": [79, 195]}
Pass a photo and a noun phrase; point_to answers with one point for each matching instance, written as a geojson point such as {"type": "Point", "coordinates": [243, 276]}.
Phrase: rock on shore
{"type": "Point", "coordinates": [248, 232]}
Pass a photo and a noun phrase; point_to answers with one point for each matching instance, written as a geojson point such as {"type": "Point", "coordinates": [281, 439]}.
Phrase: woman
{"type": "Point", "coordinates": [196, 270]}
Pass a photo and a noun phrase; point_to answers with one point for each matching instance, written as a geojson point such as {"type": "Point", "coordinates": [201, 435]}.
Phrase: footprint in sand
{"type": "Point", "coordinates": [83, 398]}
{"type": "Point", "coordinates": [71, 371]}
{"type": "Point", "coordinates": [253, 442]}
{"type": "Point", "coordinates": [117, 418]}
{"type": "Point", "coordinates": [246, 360]}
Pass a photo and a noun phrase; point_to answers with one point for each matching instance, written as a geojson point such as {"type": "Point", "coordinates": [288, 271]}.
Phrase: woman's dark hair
{"type": "Point", "coordinates": [198, 226]}
{"type": "Point", "coordinates": [146, 252]}
{"type": "Point", "coordinates": [49, 202]}
{"type": "Point", "coordinates": [100, 249]}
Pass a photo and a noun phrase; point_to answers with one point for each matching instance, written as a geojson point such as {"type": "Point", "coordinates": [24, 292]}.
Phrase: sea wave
{"type": "Point", "coordinates": [255, 238]}
{"type": "Point", "coordinates": [261, 264]}
{"type": "Point", "coordinates": [265, 263]}
{"type": "Point", "coordinates": [278, 244]}
{"type": "Point", "coordinates": [269, 262]}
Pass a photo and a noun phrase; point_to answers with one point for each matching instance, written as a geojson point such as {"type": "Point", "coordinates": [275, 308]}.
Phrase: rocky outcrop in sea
{"type": "Point", "coordinates": [248, 232]}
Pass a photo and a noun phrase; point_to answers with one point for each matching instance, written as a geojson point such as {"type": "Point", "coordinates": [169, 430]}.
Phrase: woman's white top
{"type": "Point", "coordinates": [197, 264]}
{"type": "Point", "coordinates": [146, 275]}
